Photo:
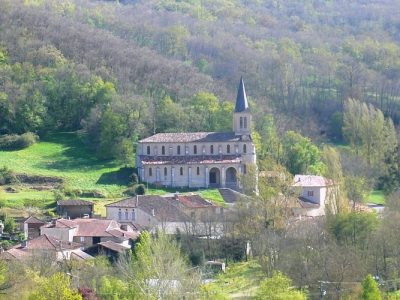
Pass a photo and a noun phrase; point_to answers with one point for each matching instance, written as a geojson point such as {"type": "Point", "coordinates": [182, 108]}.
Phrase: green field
{"type": "Point", "coordinates": [66, 156]}
{"type": "Point", "coordinates": [377, 197]}
{"type": "Point", "coordinates": [240, 281]}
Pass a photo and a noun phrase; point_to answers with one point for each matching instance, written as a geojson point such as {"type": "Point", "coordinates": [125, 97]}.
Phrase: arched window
{"type": "Point", "coordinates": [228, 149]}
{"type": "Point", "coordinates": [148, 150]}
{"type": "Point", "coordinates": [133, 215]}
{"type": "Point", "coordinates": [178, 150]}
{"type": "Point", "coordinates": [198, 170]}
{"type": "Point", "coordinates": [241, 122]}
{"type": "Point", "coordinates": [212, 149]}
{"type": "Point", "coordinates": [150, 172]}
{"type": "Point", "coordinates": [244, 148]}
{"type": "Point", "coordinates": [165, 171]}
{"type": "Point", "coordinates": [163, 150]}
{"type": "Point", "coordinates": [126, 214]}
{"type": "Point", "coordinates": [194, 149]}
{"type": "Point", "coordinates": [119, 214]}
{"type": "Point", "coordinates": [245, 122]}
{"type": "Point", "coordinates": [181, 171]}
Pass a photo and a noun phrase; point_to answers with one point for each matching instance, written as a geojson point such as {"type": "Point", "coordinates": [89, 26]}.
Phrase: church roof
{"type": "Point", "coordinates": [241, 99]}
{"type": "Point", "coordinates": [187, 160]}
{"type": "Point", "coordinates": [187, 137]}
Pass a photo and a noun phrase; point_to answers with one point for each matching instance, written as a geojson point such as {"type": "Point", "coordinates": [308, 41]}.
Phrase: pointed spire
{"type": "Point", "coordinates": [241, 99]}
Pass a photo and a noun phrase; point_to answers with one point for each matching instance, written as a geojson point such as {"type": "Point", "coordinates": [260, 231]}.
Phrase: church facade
{"type": "Point", "coordinates": [200, 159]}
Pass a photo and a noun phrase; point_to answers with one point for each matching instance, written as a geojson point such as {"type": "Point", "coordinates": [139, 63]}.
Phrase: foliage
{"type": "Point", "coordinates": [301, 156]}
{"type": "Point", "coordinates": [370, 289]}
{"type": "Point", "coordinates": [278, 287]}
{"type": "Point", "coordinates": [55, 287]}
{"type": "Point", "coordinates": [17, 142]}
{"type": "Point", "coordinates": [112, 288]}
{"type": "Point", "coordinates": [7, 176]}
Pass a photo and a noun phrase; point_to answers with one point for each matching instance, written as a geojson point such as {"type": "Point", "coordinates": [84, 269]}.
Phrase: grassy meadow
{"type": "Point", "coordinates": [65, 156]}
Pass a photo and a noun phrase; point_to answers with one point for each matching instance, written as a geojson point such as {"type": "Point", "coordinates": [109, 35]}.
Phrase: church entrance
{"type": "Point", "coordinates": [215, 177]}
{"type": "Point", "coordinates": [231, 178]}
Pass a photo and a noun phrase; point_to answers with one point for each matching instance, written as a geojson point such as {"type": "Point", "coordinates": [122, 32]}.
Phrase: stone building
{"type": "Point", "coordinates": [200, 159]}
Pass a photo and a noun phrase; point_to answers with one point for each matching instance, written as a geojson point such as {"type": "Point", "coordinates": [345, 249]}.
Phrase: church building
{"type": "Point", "coordinates": [200, 159]}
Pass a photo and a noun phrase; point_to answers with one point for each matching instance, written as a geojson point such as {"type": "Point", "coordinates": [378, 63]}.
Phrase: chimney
{"type": "Point", "coordinates": [137, 200]}
{"type": "Point", "coordinates": [153, 212]}
{"type": "Point", "coordinates": [124, 227]}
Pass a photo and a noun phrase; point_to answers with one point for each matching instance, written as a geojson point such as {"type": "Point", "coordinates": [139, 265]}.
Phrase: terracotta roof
{"type": "Point", "coordinates": [61, 223]}
{"type": "Point", "coordinates": [114, 246]}
{"type": "Point", "coordinates": [133, 235]}
{"type": "Point", "coordinates": [187, 160]}
{"type": "Point", "coordinates": [187, 137]}
{"type": "Point", "coordinates": [46, 242]}
{"type": "Point", "coordinates": [75, 202]}
{"type": "Point", "coordinates": [311, 181]}
{"type": "Point", "coordinates": [33, 220]}
{"type": "Point", "coordinates": [14, 253]}
{"type": "Point", "coordinates": [192, 201]}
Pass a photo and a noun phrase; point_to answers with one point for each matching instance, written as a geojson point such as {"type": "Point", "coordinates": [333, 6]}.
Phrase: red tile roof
{"type": "Point", "coordinates": [46, 242]}
{"type": "Point", "coordinates": [114, 246]}
{"type": "Point", "coordinates": [311, 181]}
{"type": "Point", "coordinates": [192, 201]}
{"type": "Point", "coordinates": [187, 160]}
{"type": "Point", "coordinates": [34, 220]}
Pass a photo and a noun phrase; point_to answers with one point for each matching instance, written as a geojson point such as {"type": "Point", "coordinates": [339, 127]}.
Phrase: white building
{"type": "Point", "coordinates": [314, 191]}
{"type": "Point", "coordinates": [200, 159]}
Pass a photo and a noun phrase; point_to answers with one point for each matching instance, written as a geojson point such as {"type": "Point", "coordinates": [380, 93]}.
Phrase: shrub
{"type": "Point", "coordinates": [17, 142]}
{"type": "Point", "coordinates": [9, 225]}
{"type": "Point", "coordinates": [140, 189]}
{"type": "Point", "coordinates": [130, 191]}
{"type": "Point", "coordinates": [7, 176]}
{"type": "Point", "coordinates": [134, 179]}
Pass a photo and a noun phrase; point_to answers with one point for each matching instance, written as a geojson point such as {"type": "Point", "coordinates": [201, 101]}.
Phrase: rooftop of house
{"type": "Point", "coordinates": [157, 206]}
{"type": "Point", "coordinates": [114, 246]}
{"type": "Point", "coordinates": [198, 137]}
{"type": "Point", "coordinates": [74, 202]}
{"type": "Point", "coordinates": [94, 228]}
{"type": "Point", "coordinates": [46, 242]}
{"type": "Point", "coordinates": [34, 220]}
{"type": "Point", "coordinates": [14, 253]}
{"type": "Point", "coordinates": [191, 201]}
{"type": "Point", "coordinates": [193, 159]}
{"type": "Point", "coordinates": [311, 181]}
{"type": "Point", "coordinates": [80, 255]}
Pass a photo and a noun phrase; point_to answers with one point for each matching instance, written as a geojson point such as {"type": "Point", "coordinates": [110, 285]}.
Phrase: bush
{"type": "Point", "coordinates": [134, 179]}
{"type": "Point", "coordinates": [9, 225]}
{"type": "Point", "coordinates": [7, 176]}
{"type": "Point", "coordinates": [130, 191]}
{"type": "Point", "coordinates": [17, 142]}
{"type": "Point", "coordinates": [140, 189]}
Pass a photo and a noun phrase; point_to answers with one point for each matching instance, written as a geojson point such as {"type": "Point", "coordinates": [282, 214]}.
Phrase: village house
{"type": "Point", "coordinates": [75, 208]}
{"type": "Point", "coordinates": [32, 227]}
{"type": "Point", "coordinates": [89, 232]}
{"type": "Point", "coordinates": [313, 194]}
{"type": "Point", "coordinates": [200, 159]}
{"type": "Point", "coordinates": [44, 245]}
{"type": "Point", "coordinates": [169, 213]}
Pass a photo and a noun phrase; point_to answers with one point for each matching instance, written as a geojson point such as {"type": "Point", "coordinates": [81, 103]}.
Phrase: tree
{"type": "Point", "coordinates": [56, 287]}
{"type": "Point", "coordinates": [278, 287]}
{"type": "Point", "coordinates": [157, 268]}
{"type": "Point", "coordinates": [301, 156]}
{"type": "Point", "coordinates": [370, 289]}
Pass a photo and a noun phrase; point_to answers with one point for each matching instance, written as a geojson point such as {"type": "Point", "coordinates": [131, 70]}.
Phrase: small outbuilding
{"type": "Point", "coordinates": [75, 208]}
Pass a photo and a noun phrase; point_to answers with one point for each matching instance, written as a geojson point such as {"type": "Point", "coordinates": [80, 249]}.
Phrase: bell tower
{"type": "Point", "coordinates": [242, 115]}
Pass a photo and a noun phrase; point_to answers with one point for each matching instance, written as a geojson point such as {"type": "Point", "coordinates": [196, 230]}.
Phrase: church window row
{"type": "Point", "coordinates": [181, 171]}
{"type": "Point", "coordinates": [195, 150]}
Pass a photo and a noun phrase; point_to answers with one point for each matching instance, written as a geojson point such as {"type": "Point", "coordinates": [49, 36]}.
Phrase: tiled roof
{"type": "Point", "coordinates": [191, 201]}
{"type": "Point", "coordinates": [311, 181]}
{"type": "Point", "coordinates": [33, 220]}
{"type": "Point", "coordinates": [73, 202]}
{"type": "Point", "coordinates": [46, 242]}
{"type": "Point", "coordinates": [187, 137]}
{"type": "Point", "coordinates": [161, 206]}
{"type": "Point", "coordinates": [133, 235]}
{"type": "Point", "coordinates": [114, 246]}
{"type": "Point", "coordinates": [80, 255]}
{"type": "Point", "coordinates": [14, 253]}
{"type": "Point", "coordinates": [187, 160]}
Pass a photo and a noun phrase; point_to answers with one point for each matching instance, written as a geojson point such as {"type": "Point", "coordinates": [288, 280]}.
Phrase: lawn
{"type": "Point", "coordinates": [376, 197]}
{"type": "Point", "coordinates": [241, 280]}
{"type": "Point", "coordinates": [66, 156]}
